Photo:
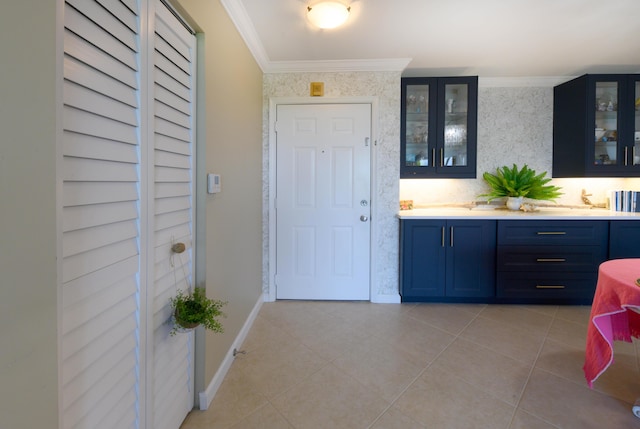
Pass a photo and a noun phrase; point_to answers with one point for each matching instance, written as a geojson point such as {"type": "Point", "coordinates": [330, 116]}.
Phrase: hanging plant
{"type": "Point", "coordinates": [193, 309]}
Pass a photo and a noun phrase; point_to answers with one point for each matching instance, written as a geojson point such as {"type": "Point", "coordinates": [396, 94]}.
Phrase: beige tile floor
{"type": "Point", "coordinates": [362, 365]}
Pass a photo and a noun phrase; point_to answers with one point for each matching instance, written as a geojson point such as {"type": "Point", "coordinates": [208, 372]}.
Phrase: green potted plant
{"type": "Point", "coordinates": [193, 309]}
{"type": "Point", "coordinates": [516, 184]}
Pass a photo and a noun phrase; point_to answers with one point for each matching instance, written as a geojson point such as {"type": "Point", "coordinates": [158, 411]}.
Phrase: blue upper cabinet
{"type": "Point", "coordinates": [438, 127]}
{"type": "Point", "coordinates": [596, 127]}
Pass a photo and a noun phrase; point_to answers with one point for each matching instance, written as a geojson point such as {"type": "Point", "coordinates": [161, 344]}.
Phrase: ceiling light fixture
{"type": "Point", "coordinates": [328, 14]}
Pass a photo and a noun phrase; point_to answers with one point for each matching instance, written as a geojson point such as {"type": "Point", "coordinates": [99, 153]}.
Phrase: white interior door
{"type": "Point", "coordinates": [323, 201]}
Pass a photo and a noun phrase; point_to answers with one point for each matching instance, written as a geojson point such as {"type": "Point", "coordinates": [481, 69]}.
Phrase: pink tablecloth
{"type": "Point", "coordinates": [612, 314]}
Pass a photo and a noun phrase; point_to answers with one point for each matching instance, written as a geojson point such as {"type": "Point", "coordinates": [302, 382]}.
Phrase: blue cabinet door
{"type": "Point", "coordinates": [624, 239]}
{"type": "Point", "coordinates": [471, 256]}
{"type": "Point", "coordinates": [422, 259]}
{"type": "Point", "coordinates": [444, 260]}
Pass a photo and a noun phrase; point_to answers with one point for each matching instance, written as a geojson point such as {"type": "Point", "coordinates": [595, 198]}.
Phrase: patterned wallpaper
{"type": "Point", "coordinates": [514, 126]}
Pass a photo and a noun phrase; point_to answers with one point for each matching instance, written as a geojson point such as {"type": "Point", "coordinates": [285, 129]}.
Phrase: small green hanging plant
{"type": "Point", "coordinates": [524, 182]}
{"type": "Point", "coordinates": [193, 309]}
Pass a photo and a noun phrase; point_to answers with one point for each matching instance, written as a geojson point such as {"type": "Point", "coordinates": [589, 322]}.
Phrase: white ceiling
{"type": "Point", "coordinates": [489, 38]}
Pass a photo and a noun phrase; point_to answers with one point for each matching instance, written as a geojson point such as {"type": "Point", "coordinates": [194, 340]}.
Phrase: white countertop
{"type": "Point", "coordinates": [543, 213]}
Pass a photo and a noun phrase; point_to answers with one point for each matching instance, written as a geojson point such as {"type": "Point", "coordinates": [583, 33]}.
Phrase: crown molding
{"type": "Point", "coordinates": [241, 20]}
{"type": "Point", "coordinates": [379, 65]}
{"type": "Point", "coordinates": [243, 24]}
{"type": "Point", "coordinates": [524, 82]}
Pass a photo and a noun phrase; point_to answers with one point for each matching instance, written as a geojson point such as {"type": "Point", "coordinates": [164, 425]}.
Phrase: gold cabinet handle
{"type": "Point", "coordinates": [551, 260]}
{"type": "Point", "coordinates": [433, 156]}
{"type": "Point", "coordinates": [551, 233]}
{"type": "Point", "coordinates": [443, 236]}
{"type": "Point", "coordinates": [550, 287]}
{"type": "Point", "coordinates": [441, 157]}
{"type": "Point", "coordinates": [451, 238]}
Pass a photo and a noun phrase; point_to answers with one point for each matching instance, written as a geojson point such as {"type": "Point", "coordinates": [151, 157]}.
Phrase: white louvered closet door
{"type": "Point", "coordinates": [173, 214]}
{"type": "Point", "coordinates": [101, 216]}
{"type": "Point", "coordinates": [126, 195]}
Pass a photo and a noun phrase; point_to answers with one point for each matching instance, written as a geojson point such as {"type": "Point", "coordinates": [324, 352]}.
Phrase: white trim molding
{"type": "Point", "coordinates": [379, 65]}
{"type": "Point", "coordinates": [209, 393]}
{"type": "Point", "coordinates": [522, 82]}
{"type": "Point", "coordinates": [241, 20]}
{"type": "Point", "coordinates": [386, 299]}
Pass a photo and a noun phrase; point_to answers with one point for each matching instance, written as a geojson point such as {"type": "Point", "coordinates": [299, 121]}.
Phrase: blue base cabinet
{"type": "Point", "coordinates": [447, 260]}
{"type": "Point", "coordinates": [522, 261]}
{"type": "Point", "coordinates": [550, 262]}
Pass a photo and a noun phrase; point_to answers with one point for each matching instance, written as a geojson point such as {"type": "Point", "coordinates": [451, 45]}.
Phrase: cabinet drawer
{"type": "Point", "coordinates": [550, 233]}
{"type": "Point", "coordinates": [551, 258]}
{"type": "Point", "coordinates": [547, 287]}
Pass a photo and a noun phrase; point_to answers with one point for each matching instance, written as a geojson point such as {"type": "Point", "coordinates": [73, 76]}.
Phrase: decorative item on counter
{"type": "Point", "coordinates": [625, 201]}
{"type": "Point", "coordinates": [516, 184]}
{"type": "Point", "coordinates": [528, 207]}
{"type": "Point", "coordinates": [193, 309]}
{"type": "Point", "coordinates": [406, 204]}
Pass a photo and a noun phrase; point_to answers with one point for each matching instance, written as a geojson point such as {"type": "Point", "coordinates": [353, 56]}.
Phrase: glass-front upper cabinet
{"type": "Point", "coordinates": [595, 124]}
{"type": "Point", "coordinates": [438, 127]}
{"type": "Point", "coordinates": [606, 123]}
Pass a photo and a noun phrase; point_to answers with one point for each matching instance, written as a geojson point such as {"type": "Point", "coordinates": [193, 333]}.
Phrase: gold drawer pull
{"type": "Point", "coordinates": [551, 233]}
{"type": "Point", "coordinates": [549, 287]}
{"type": "Point", "coordinates": [551, 260]}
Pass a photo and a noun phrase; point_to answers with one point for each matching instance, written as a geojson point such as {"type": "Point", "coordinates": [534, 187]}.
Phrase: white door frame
{"type": "Point", "coordinates": [270, 295]}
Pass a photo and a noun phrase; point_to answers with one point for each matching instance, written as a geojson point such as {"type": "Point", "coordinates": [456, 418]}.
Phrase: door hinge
{"type": "Point", "coordinates": [275, 126]}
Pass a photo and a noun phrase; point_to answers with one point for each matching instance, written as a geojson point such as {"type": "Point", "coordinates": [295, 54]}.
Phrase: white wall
{"type": "Point", "coordinates": [230, 125]}
{"type": "Point", "coordinates": [28, 283]}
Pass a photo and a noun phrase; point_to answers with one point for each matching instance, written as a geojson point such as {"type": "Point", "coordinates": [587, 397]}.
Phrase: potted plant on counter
{"type": "Point", "coordinates": [193, 309]}
{"type": "Point", "coordinates": [516, 184]}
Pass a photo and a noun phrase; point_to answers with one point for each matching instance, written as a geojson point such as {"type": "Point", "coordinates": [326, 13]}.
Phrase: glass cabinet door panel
{"type": "Point", "coordinates": [606, 126]}
{"type": "Point", "coordinates": [455, 125]}
{"type": "Point", "coordinates": [636, 133]}
{"type": "Point", "coordinates": [417, 126]}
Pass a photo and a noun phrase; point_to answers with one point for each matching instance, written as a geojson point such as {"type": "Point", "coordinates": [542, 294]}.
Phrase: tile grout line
{"type": "Point", "coordinates": [417, 377]}
{"type": "Point", "coordinates": [533, 366]}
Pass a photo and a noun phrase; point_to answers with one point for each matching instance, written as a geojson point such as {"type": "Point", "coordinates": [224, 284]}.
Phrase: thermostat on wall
{"type": "Point", "coordinates": [213, 183]}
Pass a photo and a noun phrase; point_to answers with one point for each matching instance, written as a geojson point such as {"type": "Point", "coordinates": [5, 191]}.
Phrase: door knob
{"type": "Point", "coordinates": [364, 218]}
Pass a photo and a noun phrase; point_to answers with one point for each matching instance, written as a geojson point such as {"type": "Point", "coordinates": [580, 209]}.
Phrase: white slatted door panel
{"type": "Point", "coordinates": [100, 364]}
{"type": "Point", "coordinates": [173, 79]}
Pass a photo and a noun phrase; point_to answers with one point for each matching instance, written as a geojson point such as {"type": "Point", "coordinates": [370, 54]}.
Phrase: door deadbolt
{"type": "Point", "coordinates": [364, 203]}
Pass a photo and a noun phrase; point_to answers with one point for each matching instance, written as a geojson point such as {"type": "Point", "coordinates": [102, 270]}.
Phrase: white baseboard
{"type": "Point", "coordinates": [386, 299]}
{"type": "Point", "coordinates": [210, 392]}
